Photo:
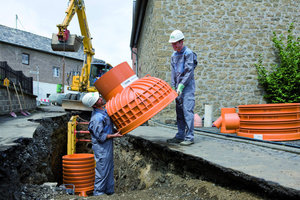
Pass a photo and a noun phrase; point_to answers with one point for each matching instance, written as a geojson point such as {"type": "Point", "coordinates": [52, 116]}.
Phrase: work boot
{"type": "Point", "coordinates": [174, 140]}
{"type": "Point", "coordinates": [186, 143]}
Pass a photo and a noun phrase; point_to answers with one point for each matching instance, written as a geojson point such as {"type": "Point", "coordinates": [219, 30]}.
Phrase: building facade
{"type": "Point", "coordinates": [228, 36]}
{"type": "Point", "coordinates": [32, 54]}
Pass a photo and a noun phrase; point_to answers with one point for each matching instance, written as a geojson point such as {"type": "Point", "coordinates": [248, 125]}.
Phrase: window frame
{"type": "Point", "coordinates": [56, 72]}
{"type": "Point", "coordinates": [25, 60]}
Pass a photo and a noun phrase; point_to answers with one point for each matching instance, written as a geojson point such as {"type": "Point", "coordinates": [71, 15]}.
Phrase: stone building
{"type": "Point", "coordinates": [227, 35]}
{"type": "Point", "coordinates": [32, 54]}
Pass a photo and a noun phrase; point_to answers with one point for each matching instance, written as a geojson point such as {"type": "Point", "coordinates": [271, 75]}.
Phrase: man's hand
{"type": "Point", "coordinates": [180, 89]}
{"type": "Point", "coordinates": [117, 134]}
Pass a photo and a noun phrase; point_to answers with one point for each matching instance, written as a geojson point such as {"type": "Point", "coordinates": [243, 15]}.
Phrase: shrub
{"type": "Point", "coordinates": [281, 82]}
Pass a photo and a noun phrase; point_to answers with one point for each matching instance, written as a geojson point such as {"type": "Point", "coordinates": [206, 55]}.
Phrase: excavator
{"type": "Point", "coordinates": [91, 70]}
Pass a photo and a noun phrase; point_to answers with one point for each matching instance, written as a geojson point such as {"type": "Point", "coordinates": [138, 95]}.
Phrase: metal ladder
{"type": "Point", "coordinates": [72, 134]}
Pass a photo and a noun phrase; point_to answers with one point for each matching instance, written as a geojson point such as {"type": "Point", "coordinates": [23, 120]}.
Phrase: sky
{"type": "Point", "coordinates": [109, 22]}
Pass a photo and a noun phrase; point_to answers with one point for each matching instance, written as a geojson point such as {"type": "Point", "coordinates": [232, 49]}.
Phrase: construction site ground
{"type": "Point", "coordinates": [274, 164]}
{"type": "Point", "coordinates": [223, 167]}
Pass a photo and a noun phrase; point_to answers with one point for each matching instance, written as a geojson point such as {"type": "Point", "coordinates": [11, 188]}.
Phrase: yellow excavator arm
{"type": "Point", "coordinates": [92, 69]}
{"type": "Point", "coordinates": [64, 41]}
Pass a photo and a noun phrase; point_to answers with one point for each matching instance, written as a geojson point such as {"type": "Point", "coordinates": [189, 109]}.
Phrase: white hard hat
{"type": "Point", "coordinates": [176, 36]}
{"type": "Point", "coordinates": [90, 99]}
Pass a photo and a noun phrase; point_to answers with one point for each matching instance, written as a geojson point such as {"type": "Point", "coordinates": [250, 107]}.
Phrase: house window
{"type": "Point", "coordinates": [56, 72]}
{"type": "Point", "coordinates": [25, 58]}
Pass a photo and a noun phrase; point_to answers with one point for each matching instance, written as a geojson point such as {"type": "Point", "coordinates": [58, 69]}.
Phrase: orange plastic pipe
{"type": "Point", "coordinates": [269, 108]}
{"type": "Point", "coordinates": [270, 124]}
{"type": "Point", "coordinates": [218, 122]}
{"type": "Point", "coordinates": [223, 126]}
{"type": "Point", "coordinates": [271, 137]}
{"type": "Point", "coordinates": [275, 122]}
{"type": "Point", "coordinates": [78, 182]}
{"type": "Point", "coordinates": [79, 157]}
{"type": "Point", "coordinates": [270, 116]}
{"type": "Point", "coordinates": [75, 166]}
{"type": "Point", "coordinates": [80, 178]}
{"type": "Point", "coordinates": [83, 191]}
{"type": "Point", "coordinates": [79, 169]}
{"type": "Point", "coordinates": [115, 80]}
{"type": "Point", "coordinates": [270, 131]}
{"type": "Point", "coordinates": [69, 170]}
{"type": "Point", "coordinates": [76, 174]}
{"type": "Point", "coordinates": [232, 121]}
{"type": "Point", "coordinates": [78, 162]}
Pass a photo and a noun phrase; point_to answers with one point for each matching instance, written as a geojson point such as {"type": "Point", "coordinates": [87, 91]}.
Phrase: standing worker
{"type": "Point", "coordinates": [183, 63]}
{"type": "Point", "coordinates": [102, 132]}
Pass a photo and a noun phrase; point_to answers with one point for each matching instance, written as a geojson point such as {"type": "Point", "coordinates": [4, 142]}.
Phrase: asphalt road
{"type": "Point", "coordinates": [23, 126]}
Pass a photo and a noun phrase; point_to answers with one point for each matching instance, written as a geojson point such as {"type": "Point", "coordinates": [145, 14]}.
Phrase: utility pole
{"type": "Point", "coordinates": [63, 77]}
{"type": "Point", "coordinates": [17, 19]}
{"type": "Point", "coordinates": [37, 73]}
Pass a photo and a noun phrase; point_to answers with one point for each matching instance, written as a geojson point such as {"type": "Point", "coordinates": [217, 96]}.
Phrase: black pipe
{"type": "Point", "coordinates": [239, 137]}
{"type": "Point", "coordinates": [252, 139]}
{"type": "Point", "coordinates": [138, 18]}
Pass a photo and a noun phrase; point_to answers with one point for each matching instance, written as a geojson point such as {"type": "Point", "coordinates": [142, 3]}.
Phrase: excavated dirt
{"type": "Point", "coordinates": [140, 171]}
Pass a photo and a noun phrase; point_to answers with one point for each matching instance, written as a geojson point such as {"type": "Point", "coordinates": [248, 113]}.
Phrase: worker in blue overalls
{"type": "Point", "coordinates": [183, 63]}
{"type": "Point", "coordinates": [102, 132]}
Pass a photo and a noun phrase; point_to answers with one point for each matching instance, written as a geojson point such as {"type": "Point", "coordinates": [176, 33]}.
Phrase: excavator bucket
{"type": "Point", "coordinates": [72, 44]}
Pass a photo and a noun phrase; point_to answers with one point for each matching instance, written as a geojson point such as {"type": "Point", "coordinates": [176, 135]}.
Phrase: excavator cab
{"type": "Point", "coordinates": [73, 101]}
{"type": "Point", "coordinates": [98, 68]}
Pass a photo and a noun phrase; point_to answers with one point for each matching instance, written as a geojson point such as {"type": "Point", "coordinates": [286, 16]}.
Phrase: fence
{"type": "Point", "coordinates": [16, 77]}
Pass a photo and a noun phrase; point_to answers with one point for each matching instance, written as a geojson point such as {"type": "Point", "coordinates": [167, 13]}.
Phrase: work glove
{"type": "Point", "coordinates": [180, 89]}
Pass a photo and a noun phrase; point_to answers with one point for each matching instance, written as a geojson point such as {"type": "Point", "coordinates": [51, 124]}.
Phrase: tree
{"type": "Point", "coordinates": [282, 82]}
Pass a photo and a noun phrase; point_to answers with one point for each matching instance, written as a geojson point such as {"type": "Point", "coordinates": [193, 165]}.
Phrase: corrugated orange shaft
{"type": "Point", "coordinates": [79, 169]}
{"type": "Point", "coordinates": [275, 122]}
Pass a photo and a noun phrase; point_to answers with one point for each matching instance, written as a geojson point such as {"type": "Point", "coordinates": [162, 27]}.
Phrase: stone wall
{"type": "Point", "coordinates": [28, 104]}
{"type": "Point", "coordinates": [228, 37]}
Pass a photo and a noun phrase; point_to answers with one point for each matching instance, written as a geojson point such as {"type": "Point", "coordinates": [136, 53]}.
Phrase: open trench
{"type": "Point", "coordinates": [143, 170]}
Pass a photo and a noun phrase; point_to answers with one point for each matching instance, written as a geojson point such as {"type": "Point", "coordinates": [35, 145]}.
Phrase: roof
{"type": "Point", "coordinates": [32, 41]}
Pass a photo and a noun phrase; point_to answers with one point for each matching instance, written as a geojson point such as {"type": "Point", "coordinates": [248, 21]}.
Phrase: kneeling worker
{"type": "Point", "coordinates": [102, 132]}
